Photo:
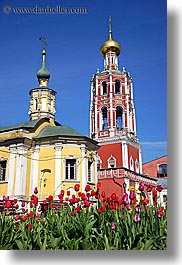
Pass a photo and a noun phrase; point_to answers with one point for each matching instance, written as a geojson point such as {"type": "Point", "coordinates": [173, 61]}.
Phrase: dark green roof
{"type": "Point", "coordinates": [50, 131]}
{"type": "Point", "coordinates": [24, 125]}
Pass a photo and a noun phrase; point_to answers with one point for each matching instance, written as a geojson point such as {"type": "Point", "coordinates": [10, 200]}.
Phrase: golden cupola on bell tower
{"type": "Point", "coordinates": [110, 50]}
{"type": "Point", "coordinates": [42, 98]}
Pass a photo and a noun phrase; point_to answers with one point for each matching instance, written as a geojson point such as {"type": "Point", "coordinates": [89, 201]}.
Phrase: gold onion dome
{"type": "Point", "coordinates": [110, 45]}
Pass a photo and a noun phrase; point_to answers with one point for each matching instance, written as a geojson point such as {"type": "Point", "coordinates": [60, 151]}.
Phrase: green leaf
{"type": "Point", "coordinates": [20, 245]}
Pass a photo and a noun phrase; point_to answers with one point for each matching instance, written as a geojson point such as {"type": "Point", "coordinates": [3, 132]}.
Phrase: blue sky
{"type": "Point", "coordinates": [73, 55]}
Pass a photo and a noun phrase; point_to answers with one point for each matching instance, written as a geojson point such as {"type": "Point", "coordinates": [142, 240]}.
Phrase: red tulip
{"type": "Point", "coordinates": [8, 204]}
{"type": "Point", "coordinates": [132, 194]}
{"type": "Point", "coordinates": [30, 225]}
{"type": "Point", "coordinates": [35, 190]}
{"type": "Point", "coordinates": [125, 198]}
{"type": "Point", "coordinates": [35, 200]}
{"type": "Point", "coordinates": [31, 214]}
{"type": "Point", "coordinates": [92, 192]}
{"type": "Point", "coordinates": [159, 188]}
{"type": "Point", "coordinates": [103, 194]}
{"type": "Point", "coordinates": [141, 186]}
{"type": "Point", "coordinates": [98, 185]}
{"type": "Point", "coordinates": [77, 187]}
{"type": "Point", "coordinates": [149, 188]}
{"type": "Point", "coordinates": [145, 201]}
{"type": "Point", "coordinates": [78, 209]}
{"type": "Point", "coordinates": [23, 204]}
{"type": "Point", "coordinates": [136, 217]}
{"type": "Point", "coordinates": [160, 213]}
{"type": "Point", "coordinates": [24, 218]}
{"type": "Point", "coordinates": [72, 213]}
{"type": "Point", "coordinates": [87, 188]}
{"type": "Point", "coordinates": [17, 217]}
{"type": "Point", "coordinates": [83, 196]}
{"type": "Point", "coordinates": [15, 201]}
{"type": "Point", "coordinates": [154, 192]}
{"type": "Point", "coordinates": [86, 203]}
{"type": "Point", "coordinates": [62, 193]}
{"type": "Point", "coordinates": [50, 198]}
{"type": "Point", "coordinates": [99, 210]}
{"type": "Point", "coordinates": [128, 206]}
{"type": "Point", "coordinates": [96, 195]}
{"type": "Point", "coordinates": [113, 196]}
{"type": "Point", "coordinates": [68, 192]}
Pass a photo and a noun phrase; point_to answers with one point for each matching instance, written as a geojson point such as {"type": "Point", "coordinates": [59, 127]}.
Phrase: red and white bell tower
{"type": "Point", "coordinates": [113, 121]}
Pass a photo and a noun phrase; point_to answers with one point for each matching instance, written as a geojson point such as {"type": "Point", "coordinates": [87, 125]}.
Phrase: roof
{"type": "Point", "coordinates": [51, 131]}
{"type": "Point", "coordinates": [155, 159]}
{"type": "Point", "coordinates": [24, 125]}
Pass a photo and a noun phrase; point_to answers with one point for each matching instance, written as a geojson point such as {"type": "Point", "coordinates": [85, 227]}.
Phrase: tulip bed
{"type": "Point", "coordinates": [84, 221]}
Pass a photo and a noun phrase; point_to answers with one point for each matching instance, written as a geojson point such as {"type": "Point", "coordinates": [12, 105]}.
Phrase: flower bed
{"type": "Point", "coordinates": [84, 221]}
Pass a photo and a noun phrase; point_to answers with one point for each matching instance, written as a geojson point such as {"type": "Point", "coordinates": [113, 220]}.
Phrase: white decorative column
{"type": "Point", "coordinates": [84, 167]}
{"type": "Point", "coordinates": [11, 167]}
{"type": "Point", "coordinates": [111, 105]}
{"type": "Point", "coordinates": [34, 170]}
{"type": "Point", "coordinates": [95, 107]}
{"type": "Point", "coordinates": [125, 154]}
{"type": "Point", "coordinates": [21, 171]}
{"type": "Point", "coordinates": [140, 161]}
{"type": "Point", "coordinates": [58, 177]}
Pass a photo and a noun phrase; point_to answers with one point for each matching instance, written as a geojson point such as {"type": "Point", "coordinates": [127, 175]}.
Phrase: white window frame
{"type": "Point", "coordinates": [69, 166]}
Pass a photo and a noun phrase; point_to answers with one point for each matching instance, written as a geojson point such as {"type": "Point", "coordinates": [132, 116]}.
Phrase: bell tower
{"type": "Point", "coordinates": [42, 98]}
{"type": "Point", "coordinates": [112, 113]}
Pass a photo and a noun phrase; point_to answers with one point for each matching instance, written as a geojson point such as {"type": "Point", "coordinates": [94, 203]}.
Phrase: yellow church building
{"type": "Point", "coordinates": [43, 153]}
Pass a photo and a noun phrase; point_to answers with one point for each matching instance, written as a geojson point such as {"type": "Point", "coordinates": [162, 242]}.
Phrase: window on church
{"type": "Point", "coordinates": [136, 166]}
{"type": "Point", "coordinates": [70, 169]}
{"type": "Point", "coordinates": [99, 163]}
{"type": "Point", "coordinates": [117, 87]}
{"type": "Point", "coordinates": [104, 87]}
{"type": "Point", "coordinates": [131, 164]}
{"type": "Point", "coordinates": [36, 103]}
{"type": "Point", "coordinates": [119, 113]}
{"type": "Point", "coordinates": [3, 165]}
{"type": "Point", "coordinates": [162, 170]}
{"type": "Point", "coordinates": [104, 117]}
{"type": "Point", "coordinates": [89, 171]}
{"type": "Point", "coordinates": [111, 162]}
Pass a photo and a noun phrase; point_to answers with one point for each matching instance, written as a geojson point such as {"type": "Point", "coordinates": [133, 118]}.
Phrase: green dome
{"type": "Point", "coordinates": [43, 73]}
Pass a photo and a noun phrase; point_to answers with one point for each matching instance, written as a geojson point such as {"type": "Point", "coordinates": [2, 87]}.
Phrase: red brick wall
{"type": "Point", "coordinates": [105, 151]}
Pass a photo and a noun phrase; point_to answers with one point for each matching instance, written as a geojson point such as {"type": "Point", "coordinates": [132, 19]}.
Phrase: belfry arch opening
{"type": "Point", "coordinates": [117, 87]}
{"type": "Point", "coordinates": [119, 117]}
{"type": "Point", "coordinates": [104, 118]}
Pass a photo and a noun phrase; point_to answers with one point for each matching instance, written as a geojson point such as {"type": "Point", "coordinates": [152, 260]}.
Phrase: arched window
{"type": "Point", "coordinates": [162, 170]}
{"type": "Point", "coordinates": [111, 161]}
{"type": "Point", "coordinates": [104, 87]}
{"type": "Point", "coordinates": [131, 163]}
{"type": "Point", "coordinates": [136, 166]}
{"type": "Point", "coordinates": [117, 87]}
{"type": "Point", "coordinates": [119, 114]}
{"type": "Point", "coordinates": [99, 163]}
{"type": "Point", "coordinates": [36, 104]}
{"type": "Point", "coordinates": [104, 119]}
